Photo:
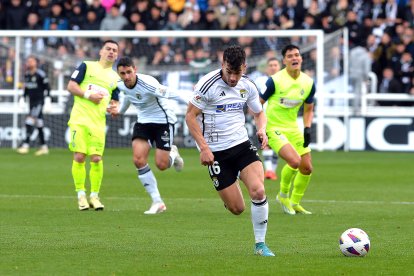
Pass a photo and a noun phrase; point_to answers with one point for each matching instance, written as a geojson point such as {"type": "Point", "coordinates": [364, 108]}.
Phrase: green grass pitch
{"type": "Point", "coordinates": [43, 233]}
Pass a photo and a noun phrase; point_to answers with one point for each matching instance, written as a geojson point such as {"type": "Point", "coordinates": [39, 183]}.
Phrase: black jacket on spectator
{"type": "Point", "coordinates": [15, 17]}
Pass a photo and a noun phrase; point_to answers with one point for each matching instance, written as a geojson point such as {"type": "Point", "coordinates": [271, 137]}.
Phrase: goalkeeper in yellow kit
{"type": "Point", "coordinates": [286, 92]}
{"type": "Point", "coordinates": [93, 85]}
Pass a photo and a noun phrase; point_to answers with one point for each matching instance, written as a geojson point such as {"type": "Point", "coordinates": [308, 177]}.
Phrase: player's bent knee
{"type": "Point", "coordinates": [258, 193]}
{"type": "Point", "coordinates": [236, 210]}
{"type": "Point", "coordinates": [162, 165]}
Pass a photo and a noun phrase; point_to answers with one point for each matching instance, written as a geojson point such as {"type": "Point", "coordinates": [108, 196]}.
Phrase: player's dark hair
{"type": "Point", "coordinates": [234, 56]}
{"type": "Point", "coordinates": [110, 41]}
{"type": "Point", "coordinates": [126, 62]}
{"type": "Point", "coordinates": [289, 47]}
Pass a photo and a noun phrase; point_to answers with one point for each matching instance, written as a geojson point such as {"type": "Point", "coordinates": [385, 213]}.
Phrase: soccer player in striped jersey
{"type": "Point", "coordinates": [216, 120]}
{"type": "Point", "coordinates": [155, 123]}
{"type": "Point", "coordinates": [286, 92]}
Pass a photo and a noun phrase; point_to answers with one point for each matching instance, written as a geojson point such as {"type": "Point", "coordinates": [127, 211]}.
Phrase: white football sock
{"type": "Point", "coordinates": [267, 159]}
{"type": "Point", "coordinates": [149, 182]}
{"type": "Point", "coordinates": [260, 214]}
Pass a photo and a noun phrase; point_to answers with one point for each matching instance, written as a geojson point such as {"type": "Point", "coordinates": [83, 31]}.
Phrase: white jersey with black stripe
{"type": "Point", "coordinates": [151, 100]}
{"type": "Point", "coordinates": [222, 120]}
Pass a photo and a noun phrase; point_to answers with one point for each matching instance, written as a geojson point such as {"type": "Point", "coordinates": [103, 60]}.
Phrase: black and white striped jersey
{"type": "Point", "coordinates": [222, 120]}
{"type": "Point", "coordinates": [151, 99]}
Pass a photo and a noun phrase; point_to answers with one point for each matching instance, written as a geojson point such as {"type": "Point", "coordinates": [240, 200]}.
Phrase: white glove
{"type": "Point", "coordinates": [22, 104]}
{"type": "Point", "coordinates": [47, 107]}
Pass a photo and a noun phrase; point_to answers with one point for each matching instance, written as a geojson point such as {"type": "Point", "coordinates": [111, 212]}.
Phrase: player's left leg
{"type": "Point", "coordinates": [301, 182]}
{"type": "Point", "coordinates": [253, 177]}
{"type": "Point", "coordinates": [29, 124]}
{"type": "Point", "coordinates": [96, 147]}
{"type": "Point", "coordinates": [43, 149]}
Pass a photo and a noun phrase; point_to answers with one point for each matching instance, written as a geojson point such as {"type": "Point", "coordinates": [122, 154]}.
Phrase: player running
{"type": "Point", "coordinates": [155, 123]}
{"type": "Point", "coordinates": [286, 92]}
{"type": "Point", "coordinates": [216, 120]}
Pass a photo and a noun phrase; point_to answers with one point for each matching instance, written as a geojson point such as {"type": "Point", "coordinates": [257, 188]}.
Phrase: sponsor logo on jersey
{"type": "Point", "coordinates": [290, 103]}
{"type": "Point", "coordinates": [222, 94]}
{"type": "Point", "coordinates": [243, 93]}
{"type": "Point", "coordinates": [229, 107]}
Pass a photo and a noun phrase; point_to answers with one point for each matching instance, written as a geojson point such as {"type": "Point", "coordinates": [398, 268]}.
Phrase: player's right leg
{"type": "Point", "coordinates": [77, 145]}
{"type": "Point", "coordinates": [140, 152]}
{"type": "Point", "coordinates": [25, 146]}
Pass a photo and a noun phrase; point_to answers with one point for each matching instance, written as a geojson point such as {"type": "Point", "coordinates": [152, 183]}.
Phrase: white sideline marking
{"type": "Point", "coordinates": [208, 199]}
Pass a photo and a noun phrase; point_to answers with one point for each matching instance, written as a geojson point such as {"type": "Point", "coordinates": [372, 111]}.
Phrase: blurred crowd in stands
{"type": "Point", "coordinates": [380, 31]}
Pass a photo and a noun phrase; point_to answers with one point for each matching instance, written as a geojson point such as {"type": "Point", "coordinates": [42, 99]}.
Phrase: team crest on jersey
{"type": "Point", "coordinates": [215, 182]}
{"type": "Point", "coordinates": [139, 97]}
{"type": "Point", "coordinates": [165, 137]}
{"type": "Point", "coordinates": [243, 93]}
{"type": "Point", "coordinates": [34, 79]}
{"type": "Point", "coordinates": [302, 92]}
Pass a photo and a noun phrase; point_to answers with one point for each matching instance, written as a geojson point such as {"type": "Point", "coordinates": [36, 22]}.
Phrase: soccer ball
{"type": "Point", "coordinates": [354, 242]}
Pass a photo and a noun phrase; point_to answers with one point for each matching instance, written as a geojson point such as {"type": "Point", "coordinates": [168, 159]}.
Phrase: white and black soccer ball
{"type": "Point", "coordinates": [354, 242]}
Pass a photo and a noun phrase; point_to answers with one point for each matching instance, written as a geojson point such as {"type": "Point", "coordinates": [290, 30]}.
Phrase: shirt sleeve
{"type": "Point", "coordinates": [270, 89]}
{"type": "Point", "coordinates": [311, 97]}
{"type": "Point", "coordinates": [79, 74]}
{"type": "Point", "coordinates": [115, 94]}
{"type": "Point", "coordinates": [253, 101]}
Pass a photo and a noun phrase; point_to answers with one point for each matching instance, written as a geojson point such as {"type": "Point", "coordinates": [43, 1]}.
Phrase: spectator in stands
{"type": "Point", "coordinates": [142, 7]}
{"type": "Point", "coordinates": [156, 21]}
{"type": "Point", "coordinates": [407, 38]}
{"type": "Point", "coordinates": [355, 35]}
{"type": "Point", "coordinates": [33, 22]}
{"type": "Point", "coordinates": [33, 44]}
{"type": "Point", "coordinates": [339, 12]}
{"type": "Point", "coordinates": [389, 84]}
{"type": "Point", "coordinates": [185, 18]}
{"type": "Point", "coordinates": [76, 18]}
{"type": "Point", "coordinates": [98, 9]}
{"type": "Point", "coordinates": [382, 54]}
{"type": "Point", "coordinates": [285, 22]}
{"type": "Point", "coordinates": [92, 22]}
{"type": "Point", "coordinates": [256, 22]}
{"type": "Point", "coordinates": [294, 10]}
{"type": "Point", "coordinates": [113, 20]}
{"type": "Point", "coordinates": [56, 18]}
{"type": "Point", "coordinates": [2, 16]}
{"type": "Point", "coordinates": [409, 15]}
{"type": "Point", "coordinates": [245, 11]}
{"type": "Point", "coordinates": [405, 72]}
{"type": "Point", "coordinates": [232, 22]}
{"type": "Point", "coordinates": [197, 22]}
{"type": "Point", "coordinates": [309, 22]}
{"type": "Point", "coordinates": [42, 8]}
{"type": "Point", "coordinates": [172, 23]}
{"type": "Point", "coordinates": [16, 14]}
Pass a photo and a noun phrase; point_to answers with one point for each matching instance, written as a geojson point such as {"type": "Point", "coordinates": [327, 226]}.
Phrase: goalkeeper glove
{"type": "Point", "coordinates": [22, 103]}
{"type": "Point", "coordinates": [47, 107]}
{"type": "Point", "coordinates": [306, 136]}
